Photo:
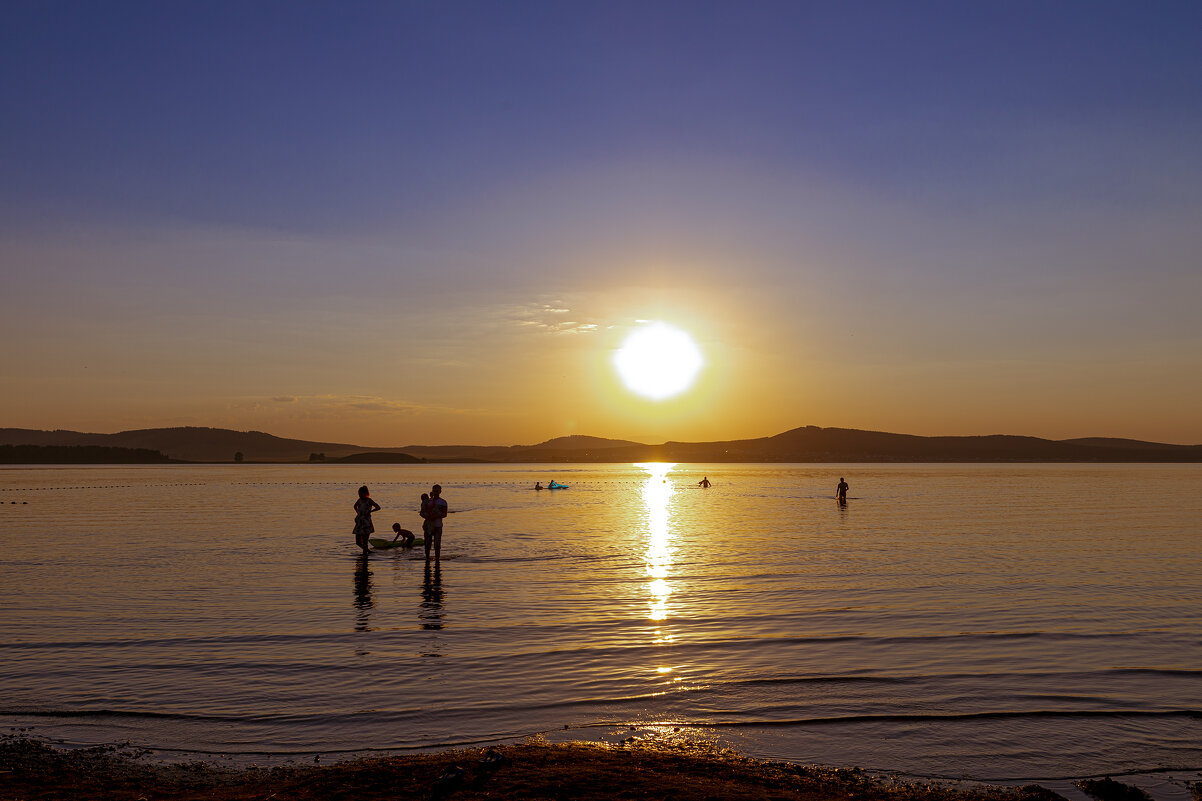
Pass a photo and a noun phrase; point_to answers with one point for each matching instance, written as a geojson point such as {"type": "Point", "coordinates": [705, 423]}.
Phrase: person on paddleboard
{"type": "Point", "coordinates": [404, 535]}
{"type": "Point", "coordinates": [363, 525]}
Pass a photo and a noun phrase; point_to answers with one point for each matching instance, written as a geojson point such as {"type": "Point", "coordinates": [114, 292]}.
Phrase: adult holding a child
{"type": "Point", "coordinates": [433, 511]}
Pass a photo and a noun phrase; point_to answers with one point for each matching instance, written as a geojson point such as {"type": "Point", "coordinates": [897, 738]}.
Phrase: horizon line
{"type": "Point", "coordinates": [610, 439]}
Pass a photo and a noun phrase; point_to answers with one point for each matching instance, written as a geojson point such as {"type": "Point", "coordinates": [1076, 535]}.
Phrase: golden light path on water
{"type": "Point", "coordinates": [657, 496]}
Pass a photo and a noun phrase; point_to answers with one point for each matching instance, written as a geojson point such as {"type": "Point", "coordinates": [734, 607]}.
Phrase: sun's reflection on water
{"type": "Point", "coordinates": [657, 494]}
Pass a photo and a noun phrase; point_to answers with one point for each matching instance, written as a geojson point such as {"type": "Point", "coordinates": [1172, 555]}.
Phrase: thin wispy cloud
{"type": "Point", "coordinates": [325, 407]}
{"type": "Point", "coordinates": [553, 317]}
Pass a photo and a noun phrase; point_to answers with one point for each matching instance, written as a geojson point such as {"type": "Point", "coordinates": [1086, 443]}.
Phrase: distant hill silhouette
{"type": "Point", "coordinates": [814, 444]}
{"type": "Point", "coordinates": [579, 442]}
{"type": "Point", "coordinates": [1113, 442]}
{"type": "Point", "coordinates": [191, 444]}
{"type": "Point", "coordinates": [381, 457]}
{"type": "Point", "coordinates": [808, 444]}
{"type": "Point", "coordinates": [77, 454]}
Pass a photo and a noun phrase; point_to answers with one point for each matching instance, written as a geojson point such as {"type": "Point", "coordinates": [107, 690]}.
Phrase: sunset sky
{"type": "Point", "coordinates": [393, 223]}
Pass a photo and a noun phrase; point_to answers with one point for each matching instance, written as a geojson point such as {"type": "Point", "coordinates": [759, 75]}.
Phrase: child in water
{"type": "Point", "coordinates": [363, 525]}
{"type": "Point", "coordinates": [426, 523]}
{"type": "Point", "coordinates": [405, 534]}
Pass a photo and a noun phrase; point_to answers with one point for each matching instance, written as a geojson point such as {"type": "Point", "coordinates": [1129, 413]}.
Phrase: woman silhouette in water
{"type": "Point", "coordinates": [363, 525]}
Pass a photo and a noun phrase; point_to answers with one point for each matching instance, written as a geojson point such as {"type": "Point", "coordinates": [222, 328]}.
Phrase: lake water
{"type": "Point", "coordinates": [984, 621]}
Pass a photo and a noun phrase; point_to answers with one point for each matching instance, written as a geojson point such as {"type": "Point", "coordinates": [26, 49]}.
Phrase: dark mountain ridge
{"type": "Point", "coordinates": [807, 444]}
{"type": "Point", "coordinates": [189, 443]}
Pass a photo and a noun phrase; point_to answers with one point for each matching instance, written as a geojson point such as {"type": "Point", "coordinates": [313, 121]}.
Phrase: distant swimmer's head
{"type": "Point", "coordinates": [363, 491]}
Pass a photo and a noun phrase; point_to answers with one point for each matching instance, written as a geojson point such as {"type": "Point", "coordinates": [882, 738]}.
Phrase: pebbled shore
{"type": "Point", "coordinates": [648, 769]}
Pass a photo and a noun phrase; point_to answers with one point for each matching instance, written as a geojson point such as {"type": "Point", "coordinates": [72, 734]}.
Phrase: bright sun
{"type": "Point", "coordinates": [658, 361]}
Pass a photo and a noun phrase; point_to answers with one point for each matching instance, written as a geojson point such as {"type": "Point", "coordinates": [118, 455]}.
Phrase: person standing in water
{"type": "Point", "coordinates": [434, 511]}
{"type": "Point", "coordinates": [841, 490]}
{"type": "Point", "coordinates": [363, 525]}
{"type": "Point", "coordinates": [704, 483]}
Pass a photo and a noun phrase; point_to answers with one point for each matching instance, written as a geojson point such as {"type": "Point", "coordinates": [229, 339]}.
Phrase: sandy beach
{"type": "Point", "coordinates": [536, 769]}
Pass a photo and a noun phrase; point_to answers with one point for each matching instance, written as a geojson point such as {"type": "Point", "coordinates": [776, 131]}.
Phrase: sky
{"type": "Point", "coordinates": [390, 223]}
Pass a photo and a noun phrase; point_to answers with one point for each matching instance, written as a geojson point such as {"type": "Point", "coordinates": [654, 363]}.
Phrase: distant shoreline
{"type": "Point", "coordinates": [807, 445]}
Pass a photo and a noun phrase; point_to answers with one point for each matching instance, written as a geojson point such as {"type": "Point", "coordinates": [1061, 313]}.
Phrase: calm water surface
{"type": "Point", "coordinates": [984, 621]}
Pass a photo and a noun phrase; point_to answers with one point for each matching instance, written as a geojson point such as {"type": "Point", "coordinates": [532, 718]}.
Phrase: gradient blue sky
{"type": "Point", "coordinates": [395, 223]}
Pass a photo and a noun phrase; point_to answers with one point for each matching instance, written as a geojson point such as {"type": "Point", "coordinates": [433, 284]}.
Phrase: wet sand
{"type": "Point", "coordinates": [537, 769]}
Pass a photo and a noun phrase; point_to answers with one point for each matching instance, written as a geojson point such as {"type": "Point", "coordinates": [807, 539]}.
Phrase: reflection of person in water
{"type": "Point", "coordinates": [363, 601]}
{"type": "Point", "coordinates": [431, 614]}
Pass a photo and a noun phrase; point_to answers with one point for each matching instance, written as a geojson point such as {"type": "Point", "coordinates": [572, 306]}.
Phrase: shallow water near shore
{"type": "Point", "coordinates": [981, 621]}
